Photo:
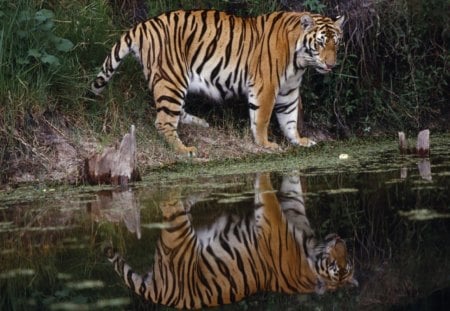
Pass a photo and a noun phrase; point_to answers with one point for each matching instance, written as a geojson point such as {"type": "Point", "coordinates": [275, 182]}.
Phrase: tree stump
{"type": "Point", "coordinates": [422, 148]}
{"type": "Point", "coordinates": [116, 165]}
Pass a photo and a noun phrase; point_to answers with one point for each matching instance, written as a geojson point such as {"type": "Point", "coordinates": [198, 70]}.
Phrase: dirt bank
{"type": "Point", "coordinates": [53, 149]}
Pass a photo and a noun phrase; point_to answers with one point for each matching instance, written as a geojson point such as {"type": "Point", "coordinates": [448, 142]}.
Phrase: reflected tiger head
{"type": "Point", "coordinates": [318, 46]}
{"type": "Point", "coordinates": [333, 264]}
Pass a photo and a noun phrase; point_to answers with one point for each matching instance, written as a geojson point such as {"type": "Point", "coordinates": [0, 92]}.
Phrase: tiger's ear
{"type": "Point", "coordinates": [340, 21]}
{"type": "Point", "coordinates": [307, 21]}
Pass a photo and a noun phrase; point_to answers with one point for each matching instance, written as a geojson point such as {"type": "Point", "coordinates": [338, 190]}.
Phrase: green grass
{"type": "Point", "coordinates": [50, 52]}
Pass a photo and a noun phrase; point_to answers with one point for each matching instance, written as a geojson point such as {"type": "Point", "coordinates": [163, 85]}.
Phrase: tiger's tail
{"type": "Point", "coordinates": [118, 52]}
{"type": "Point", "coordinates": [136, 282]}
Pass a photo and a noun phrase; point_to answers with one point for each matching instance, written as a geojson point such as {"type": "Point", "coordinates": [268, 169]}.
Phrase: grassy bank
{"type": "Point", "coordinates": [392, 76]}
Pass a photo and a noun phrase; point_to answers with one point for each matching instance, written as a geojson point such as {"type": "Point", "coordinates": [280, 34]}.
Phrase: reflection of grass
{"type": "Point", "coordinates": [341, 190]}
{"type": "Point", "coordinates": [234, 199]}
{"type": "Point", "coordinates": [50, 269]}
{"type": "Point", "coordinates": [396, 259]}
{"type": "Point", "coordinates": [423, 214]}
{"type": "Point", "coordinates": [415, 270]}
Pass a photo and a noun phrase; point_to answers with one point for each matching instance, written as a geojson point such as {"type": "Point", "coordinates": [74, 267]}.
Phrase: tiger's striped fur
{"type": "Point", "coordinates": [262, 58]}
{"type": "Point", "coordinates": [273, 249]}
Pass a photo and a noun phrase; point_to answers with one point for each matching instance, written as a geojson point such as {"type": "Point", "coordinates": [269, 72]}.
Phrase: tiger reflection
{"type": "Point", "coordinates": [273, 250]}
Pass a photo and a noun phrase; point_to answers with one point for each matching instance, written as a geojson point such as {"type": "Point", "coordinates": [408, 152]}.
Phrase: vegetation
{"type": "Point", "coordinates": [393, 74]}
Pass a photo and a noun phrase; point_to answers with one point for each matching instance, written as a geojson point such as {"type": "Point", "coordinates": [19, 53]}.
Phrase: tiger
{"type": "Point", "coordinates": [261, 59]}
{"type": "Point", "coordinates": [272, 249]}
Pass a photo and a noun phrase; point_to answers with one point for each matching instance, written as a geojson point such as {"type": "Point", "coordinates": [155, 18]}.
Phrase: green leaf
{"type": "Point", "coordinates": [24, 15]}
{"type": "Point", "coordinates": [34, 53]}
{"type": "Point", "coordinates": [22, 34]}
{"type": "Point", "coordinates": [23, 60]}
{"type": "Point", "coordinates": [63, 45]}
{"type": "Point", "coordinates": [47, 25]}
{"type": "Point", "coordinates": [52, 60]}
{"type": "Point", "coordinates": [43, 15]}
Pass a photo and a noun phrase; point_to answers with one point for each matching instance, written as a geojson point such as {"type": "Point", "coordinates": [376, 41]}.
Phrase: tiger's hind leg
{"type": "Point", "coordinates": [286, 110]}
{"type": "Point", "coordinates": [169, 100]}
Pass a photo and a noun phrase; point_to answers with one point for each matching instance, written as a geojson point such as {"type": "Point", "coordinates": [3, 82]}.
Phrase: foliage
{"type": "Point", "coordinates": [393, 72]}
{"type": "Point", "coordinates": [394, 69]}
{"type": "Point", "coordinates": [314, 5]}
{"type": "Point", "coordinates": [38, 28]}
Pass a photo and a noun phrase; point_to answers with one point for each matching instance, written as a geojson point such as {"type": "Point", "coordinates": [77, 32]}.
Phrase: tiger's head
{"type": "Point", "coordinates": [333, 265]}
{"type": "Point", "coordinates": [318, 45]}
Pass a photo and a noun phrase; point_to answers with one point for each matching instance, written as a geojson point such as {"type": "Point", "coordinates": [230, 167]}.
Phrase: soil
{"type": "Point", "coordinates": [53, 149]}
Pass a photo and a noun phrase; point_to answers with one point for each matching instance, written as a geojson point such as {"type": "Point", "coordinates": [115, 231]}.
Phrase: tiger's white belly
{"type": "Point", "coordinates": [199, 85]}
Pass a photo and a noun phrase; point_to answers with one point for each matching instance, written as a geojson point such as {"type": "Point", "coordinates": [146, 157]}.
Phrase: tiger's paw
{"type": "Point", "coordinates": [190, 152]}
{"type": "Point", "coordinates": [271, 146]}
{"type": "Point", "coordinates": [306, 142]}
{"type": "Point", "coordinates": [181, 149]}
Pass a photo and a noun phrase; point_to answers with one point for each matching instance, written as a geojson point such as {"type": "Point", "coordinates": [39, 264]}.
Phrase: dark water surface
{"type": "Point", "coordinates": [393, 212]}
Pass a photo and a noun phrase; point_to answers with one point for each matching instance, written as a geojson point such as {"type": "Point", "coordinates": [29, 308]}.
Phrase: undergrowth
{"type": "Point", "coordinates": [393, 72]}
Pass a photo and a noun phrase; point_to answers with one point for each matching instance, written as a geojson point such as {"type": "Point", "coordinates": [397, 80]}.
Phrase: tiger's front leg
{"type": "Point", "coordinates": [169, 99]}
{"type": "Point", "coordinates": [286, 109]}
{"type": "Point", "coordinates": [260, 106]}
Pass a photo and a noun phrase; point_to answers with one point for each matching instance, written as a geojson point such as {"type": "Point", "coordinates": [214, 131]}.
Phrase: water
{"type": "Point", "coordinates": [392, 211]}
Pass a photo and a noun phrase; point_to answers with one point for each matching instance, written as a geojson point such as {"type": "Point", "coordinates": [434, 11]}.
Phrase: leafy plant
{"type": "Point", "coordinates": [314, 5]}
{"type": "Point", "coordinates": [45, 45]}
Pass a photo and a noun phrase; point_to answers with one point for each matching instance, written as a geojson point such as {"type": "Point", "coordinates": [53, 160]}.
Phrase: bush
{"type": "Point", "coordinates": [44, 56]}
{"type": "Point", "coordinates": [394, 69]}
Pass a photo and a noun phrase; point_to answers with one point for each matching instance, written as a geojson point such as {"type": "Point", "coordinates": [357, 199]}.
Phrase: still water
{"type": "Point", "coordinates": [368, 232]}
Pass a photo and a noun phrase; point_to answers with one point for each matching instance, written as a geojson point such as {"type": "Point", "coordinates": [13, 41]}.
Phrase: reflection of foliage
{"type": "Point", "coordinates": [398, 260]}
{"type": "Point", "coordinates": [51, 258]}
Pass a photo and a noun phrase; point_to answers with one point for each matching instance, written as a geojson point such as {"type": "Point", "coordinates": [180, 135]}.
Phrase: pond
{"type": "Point", "coordinates": [250, 232]}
